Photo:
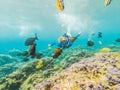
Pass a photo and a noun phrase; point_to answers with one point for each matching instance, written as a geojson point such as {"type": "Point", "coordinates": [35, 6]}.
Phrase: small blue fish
{"type": "Point", "coordinates": [99, 34]}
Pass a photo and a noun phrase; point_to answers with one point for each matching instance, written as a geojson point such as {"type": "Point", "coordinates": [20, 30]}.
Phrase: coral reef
{"type": "Point", "coordinates": [7, 69]}
{"type": "Point", "coordinates": [14, 52]}
{"type": "Point", "coordinates": [25, 75]}
{"type": "Point", "coordinates": [7, 63]}
{"type": "Point", "coordinates": [101, 72]}
{"type": "Point", "coordinates": [38, 55]}
{"type": "Point", "coordinates": [76, 68]}
{"type": "Point", "coordinates": [5, 59]}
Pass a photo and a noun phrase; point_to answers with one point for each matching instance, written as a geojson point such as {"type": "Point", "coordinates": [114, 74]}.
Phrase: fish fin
{"type": "Point", "coordinates": [59, 5]}
{"type": "Point", "coordinates": [36, 37]}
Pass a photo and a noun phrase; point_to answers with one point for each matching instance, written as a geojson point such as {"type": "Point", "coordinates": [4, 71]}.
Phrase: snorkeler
{"type": "Point", "coordinates": [64, 41]}
{"type": "Point", "coordinates": [60, 5]}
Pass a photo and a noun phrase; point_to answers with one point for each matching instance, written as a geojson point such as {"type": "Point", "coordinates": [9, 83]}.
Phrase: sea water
{"type": "Point", "coordinates": [21, 19]}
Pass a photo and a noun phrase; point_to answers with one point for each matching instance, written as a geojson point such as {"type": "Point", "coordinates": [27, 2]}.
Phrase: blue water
{"type": "Point", "coordinates": [21, 19]}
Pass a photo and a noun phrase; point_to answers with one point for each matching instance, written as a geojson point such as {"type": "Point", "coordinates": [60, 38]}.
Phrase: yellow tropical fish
{"type": "Point", "coordinates": [107, 2]}
{"type": "Point", "coordinates": [60, 5]}
{"type": "Point", "coordinates": [105, 49]}
{"type": "Point", "coordinates": [39, 64]}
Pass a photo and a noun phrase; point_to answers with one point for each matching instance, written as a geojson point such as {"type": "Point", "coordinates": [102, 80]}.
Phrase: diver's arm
{"type": "Point", "coordinates": [53, 44]}
{"type": "Point", "coordinates": [50, 45]}
{"type": "Point", "coordinates": [78, 35]}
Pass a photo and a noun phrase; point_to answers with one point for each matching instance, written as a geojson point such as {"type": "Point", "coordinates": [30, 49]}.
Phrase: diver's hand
{"type": "Point", "coordinates": [49, 46]}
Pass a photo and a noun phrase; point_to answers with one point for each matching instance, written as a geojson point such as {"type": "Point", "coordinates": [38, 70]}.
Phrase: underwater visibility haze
{"type": "Point", "coordinates": [45, 44]}
{"type": "Point", "coordinates": [21, 19]}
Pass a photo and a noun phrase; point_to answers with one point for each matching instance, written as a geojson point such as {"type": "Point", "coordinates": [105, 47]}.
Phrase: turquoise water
{"type": "Point", "coordinates": [21, 19]}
